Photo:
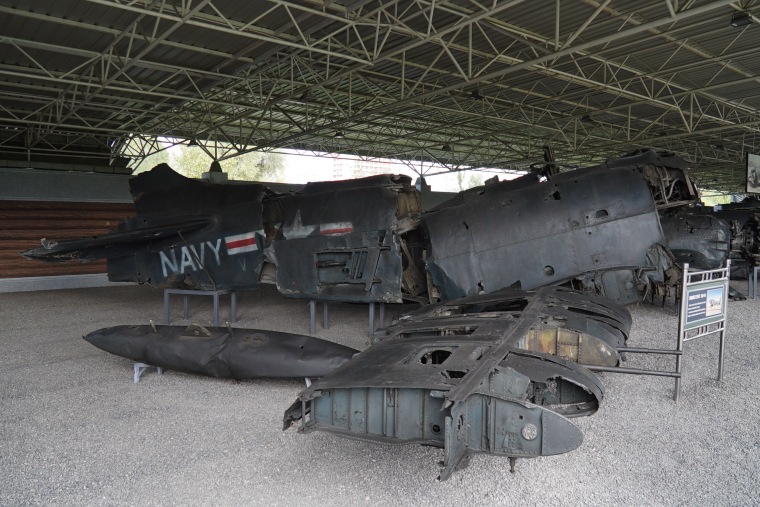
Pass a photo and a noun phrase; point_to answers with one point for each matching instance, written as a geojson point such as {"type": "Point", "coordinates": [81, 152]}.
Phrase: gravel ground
{"type": "Point", "coordinates": [75, 430]}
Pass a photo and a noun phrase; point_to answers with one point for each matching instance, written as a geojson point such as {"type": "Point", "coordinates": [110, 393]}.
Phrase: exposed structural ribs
{"type": "Point", "coordinates": [483, 374]}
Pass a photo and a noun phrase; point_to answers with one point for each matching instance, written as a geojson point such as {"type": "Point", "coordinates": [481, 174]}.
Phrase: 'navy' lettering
{"type": "Point", "coordinates": [190, 258]}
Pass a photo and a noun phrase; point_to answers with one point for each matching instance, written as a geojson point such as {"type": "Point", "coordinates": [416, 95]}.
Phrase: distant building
{"type": "Point", "coordinates": [348, 167]}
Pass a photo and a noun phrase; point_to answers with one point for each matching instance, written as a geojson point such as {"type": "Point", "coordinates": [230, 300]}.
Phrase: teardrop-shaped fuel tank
{"type": "Point", "coordinates": [223, 352]}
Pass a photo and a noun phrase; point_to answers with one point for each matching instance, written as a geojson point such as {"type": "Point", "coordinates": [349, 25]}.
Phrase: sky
{"type": "Point", "coordinates": [303, 168]}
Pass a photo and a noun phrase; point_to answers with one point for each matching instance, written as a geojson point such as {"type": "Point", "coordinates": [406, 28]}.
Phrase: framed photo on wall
{"type": "Point", "coordinates": [753, 173]}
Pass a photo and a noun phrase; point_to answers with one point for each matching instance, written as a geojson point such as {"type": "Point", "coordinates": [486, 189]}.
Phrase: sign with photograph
{"type": "Point", "coordinates": [703, 304]}
{"type": "Point", "coordinates": [753, 173]}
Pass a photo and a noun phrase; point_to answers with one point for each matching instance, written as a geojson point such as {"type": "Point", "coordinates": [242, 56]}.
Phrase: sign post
{"type": "Point", "coordinates": [704, 295]}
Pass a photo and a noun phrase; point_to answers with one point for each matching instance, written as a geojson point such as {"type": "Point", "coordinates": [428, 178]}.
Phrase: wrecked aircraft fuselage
{"type": "Point", "coordinates": [581, 327]}
{"type": "Point", "coordinates": [500, 370]}
{"type": "Point", "coordinates": [743, 221]}
{"type": "Point", "coordinates": [595, 229]}
{"type": "Point", "coordinates": [599, 229]}
{"type": "Point", "coordinates": [467, 376]}
{"type": "Point", "coordinates": [367, 240]}
{"type": "Point", "coordinates": [590, 225]}
{"type": "Point", "coordinates": [347, 241]}
{"type": "Point", "coordinates": [701, 240]}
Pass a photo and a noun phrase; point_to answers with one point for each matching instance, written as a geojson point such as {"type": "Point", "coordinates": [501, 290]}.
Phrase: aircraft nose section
{"type": "Point", "coordinates": [123, 341]}
{"type": "Point", "coordinates": [505, 427]}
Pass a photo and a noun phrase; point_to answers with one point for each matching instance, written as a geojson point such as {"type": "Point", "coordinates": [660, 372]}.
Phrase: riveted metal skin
{"type": "Point", "coordinates": [528, 233]}
{"type": "Point", "coordinates": [369, 240]}
{"type": "Point", "coordinates": [704, 241]}
{"type": "Point", "coordinates": [346, 241]}
{"type": "Point", "coordinates": [457, 375]}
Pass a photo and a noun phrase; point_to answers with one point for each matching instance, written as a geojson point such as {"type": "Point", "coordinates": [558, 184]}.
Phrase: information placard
{"type": "Point", "coordinates": [705, 305]}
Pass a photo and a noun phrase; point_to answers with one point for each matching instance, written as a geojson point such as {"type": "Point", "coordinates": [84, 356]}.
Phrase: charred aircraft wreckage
{"type": "Point", "coordinates": [526, 279]}
{"type": "Point", "coordinates": [617, 229]}
{"type": "Point", "coordinates": [498, 373]}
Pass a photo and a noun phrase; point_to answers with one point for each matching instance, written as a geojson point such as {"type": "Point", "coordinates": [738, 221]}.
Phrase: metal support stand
{"type": "Point", "coordinates": [313, 316]}
{"type": "Point", "coordinates": [213, 293]}
{"type": "Point", "coordinates": [326, 316]}
{"type": "Point", "coordinates": [372, 317]}
{"type": "Point", "coordinates": [140, 368]}
{"type": "Point", "coordinates": [752, 282]}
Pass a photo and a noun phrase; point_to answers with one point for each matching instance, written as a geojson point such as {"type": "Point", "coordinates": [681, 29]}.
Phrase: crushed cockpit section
{"type": "Point", "coordinates": [467, 376]}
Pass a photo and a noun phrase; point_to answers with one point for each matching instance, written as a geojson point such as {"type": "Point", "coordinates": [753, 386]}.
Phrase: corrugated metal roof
{"type": "Point", "coordinates": [398, 78]}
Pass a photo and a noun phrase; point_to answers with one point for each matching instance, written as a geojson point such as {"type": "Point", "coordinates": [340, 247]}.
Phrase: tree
{"type": "Point", "coordinates": [474, 180]}
{"type": "Point", "coordinates": [193, 161]}
{"type": "Point", "coordinates": [151, 161]}
{"type": "Point", "coordinates": [256, 166]}
{"type": "Point", "coordinates": [190, 161]}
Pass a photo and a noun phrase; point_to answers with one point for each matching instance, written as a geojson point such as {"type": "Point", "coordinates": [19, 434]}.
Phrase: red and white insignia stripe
{"type": "Point", "coordinates": [336, 228]}
{"type": "Point", "coordinates": [241, 243]}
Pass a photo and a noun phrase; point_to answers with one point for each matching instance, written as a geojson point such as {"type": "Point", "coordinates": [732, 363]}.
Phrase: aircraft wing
{"type": "Point", "coordinates": [117, 243]}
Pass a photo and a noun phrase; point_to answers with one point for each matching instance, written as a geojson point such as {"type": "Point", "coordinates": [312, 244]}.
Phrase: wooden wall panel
{"type": "Point", "coordinates": [24, 223]}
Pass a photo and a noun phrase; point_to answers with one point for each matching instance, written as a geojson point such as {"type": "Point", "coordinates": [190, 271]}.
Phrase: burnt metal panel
{"type": "Point", "coordinates": [548, 232]}
{"type": "Point", "coordinates": [581, 311]}
{"type": "Point", "coordinates": [701, 240]}
{"type": "Point", "coordinates": [744, 232]}
{"type": "Point", "coordinates": [360, 267]}
{"type": "Point", "coordinates": [343, 240]}
{"type": "Point", "coordinates": [667, 175]}
{"type": "Point", "coordinates": [570, 391]}
{"type": "Point", "coordinates": [223, 352]}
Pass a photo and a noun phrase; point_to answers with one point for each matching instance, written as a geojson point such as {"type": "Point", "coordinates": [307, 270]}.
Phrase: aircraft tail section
{"type": "Point", "coordinates": [187, 233]}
